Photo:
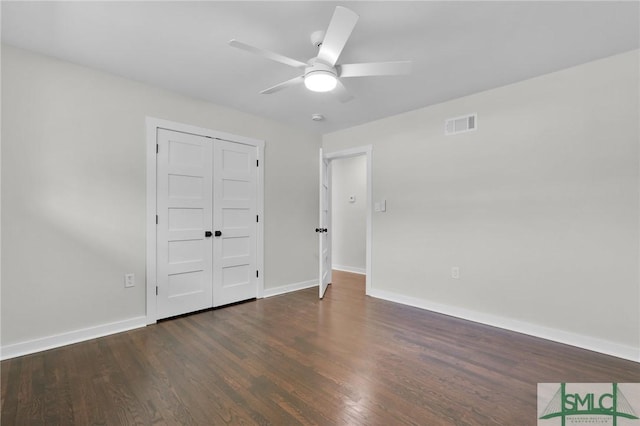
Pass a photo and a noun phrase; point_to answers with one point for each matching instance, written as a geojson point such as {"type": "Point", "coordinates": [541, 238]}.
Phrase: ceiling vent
{"type": "Point", "coordinates": [465, 123]}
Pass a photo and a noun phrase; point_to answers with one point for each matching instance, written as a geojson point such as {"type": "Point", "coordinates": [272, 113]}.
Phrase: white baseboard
{"type": "Point", "coordinates": [573, 339]}
{"type": "Point", "coordinates": [268, 292]}
{"type": "Point", "coordinates": [579, 340]}
{"type": "Point", "coordinates": [352, 269]}
{"type": "Point", "coordinates": [63, 339]}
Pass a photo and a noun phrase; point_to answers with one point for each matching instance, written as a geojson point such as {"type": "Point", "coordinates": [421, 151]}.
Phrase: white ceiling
{"type": "Point", "coordinates": [458, 48]}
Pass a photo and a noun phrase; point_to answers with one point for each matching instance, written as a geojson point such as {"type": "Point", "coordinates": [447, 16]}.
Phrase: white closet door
{"type": "Point", "coordinates": [184, 207]}
{"type": "Point", "coordinates": [235, 248]}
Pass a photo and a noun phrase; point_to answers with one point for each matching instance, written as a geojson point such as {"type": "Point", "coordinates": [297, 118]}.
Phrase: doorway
{"type": "Point", "coordinates": [349, 214]}
{"type": "Point", "coordinates": [327, 162]}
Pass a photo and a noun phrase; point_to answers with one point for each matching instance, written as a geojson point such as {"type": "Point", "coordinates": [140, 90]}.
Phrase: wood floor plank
{"type": "Point", "coordinates": [293, 359]}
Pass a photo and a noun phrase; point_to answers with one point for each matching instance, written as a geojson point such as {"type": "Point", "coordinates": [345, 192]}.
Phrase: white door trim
{"type": "Point", "coordinates": [152, 125]}
{"type": "Point", "coordinates": [367, 151]}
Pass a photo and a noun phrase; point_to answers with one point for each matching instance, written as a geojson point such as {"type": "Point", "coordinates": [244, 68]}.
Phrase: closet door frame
{"type": "Point", "coordinates": [152, 126]}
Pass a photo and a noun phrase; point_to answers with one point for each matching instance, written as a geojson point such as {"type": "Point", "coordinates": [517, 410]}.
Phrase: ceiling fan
{"type": "Point", "coordinates": [322, 73]}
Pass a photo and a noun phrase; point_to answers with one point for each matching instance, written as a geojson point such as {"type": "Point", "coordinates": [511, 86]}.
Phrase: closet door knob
{"type": "Point", "coordinates": [218, 233]}
{"type": "Point", "coordinates": [208, 234]}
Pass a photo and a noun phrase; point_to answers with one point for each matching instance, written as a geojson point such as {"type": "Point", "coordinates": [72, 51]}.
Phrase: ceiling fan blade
{"type": "Point", "coordinates": [338, 32]}
{"type": "Point", "coordinates": [283, 85]}
{"type": "Point", "coordinates": [342, 93]}
{"type": "Point", "coordinates": [267, 54]}
{"type": "Point", "coordinates": [374, 69]}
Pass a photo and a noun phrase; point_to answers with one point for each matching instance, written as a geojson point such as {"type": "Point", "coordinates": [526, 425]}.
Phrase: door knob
{"type": "Point", "coordinates": [208, 234]}
{"type": "Point", "coordinates": [218, 233]}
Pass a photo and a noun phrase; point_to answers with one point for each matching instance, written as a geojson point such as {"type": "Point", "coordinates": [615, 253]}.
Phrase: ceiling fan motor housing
{"type": "Point", "coordinates": [317, 66]}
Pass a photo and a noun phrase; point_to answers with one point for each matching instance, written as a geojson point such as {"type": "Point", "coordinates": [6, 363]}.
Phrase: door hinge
{"type": "Point", "coordinates": [156, 219]}
{"type": "Point", "coordinates": [257, 220]}
{"type": "Point", "coordinates": [156, 290]}
{"type": "Point", "coordinates": [257, 274]}
{"type": "Point", "coordinates": [157, 148]}
{"type": "Point", "coordinates": [257, 163]}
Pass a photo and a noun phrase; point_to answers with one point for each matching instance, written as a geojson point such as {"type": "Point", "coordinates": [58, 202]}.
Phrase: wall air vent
{"type": "Point", "coordinates": [465, 123]}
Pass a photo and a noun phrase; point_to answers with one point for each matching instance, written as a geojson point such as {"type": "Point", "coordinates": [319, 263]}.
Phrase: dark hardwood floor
{"type": "Point", "coordinates": [292, 359]}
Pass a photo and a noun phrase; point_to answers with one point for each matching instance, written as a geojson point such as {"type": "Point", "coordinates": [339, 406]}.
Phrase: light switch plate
{"type": "Point", "coordinates": [380, 206]}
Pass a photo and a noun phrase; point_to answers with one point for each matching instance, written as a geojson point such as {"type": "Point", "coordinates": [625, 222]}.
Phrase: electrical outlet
{"type": "Point", "coordinates": [129, 280]}
{"type": "Point", "coordinates": [455, 272]}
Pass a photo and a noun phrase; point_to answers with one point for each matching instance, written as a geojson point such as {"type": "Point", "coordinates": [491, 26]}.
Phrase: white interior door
{"type": "Point", "coordinates": [325, 227]}
{"type": "Point", "coordinates": [184, 209]}
{"type": "Point", "coordinates": [235, 223]}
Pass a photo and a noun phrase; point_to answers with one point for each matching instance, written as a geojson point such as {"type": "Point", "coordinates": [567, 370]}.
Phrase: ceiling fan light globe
{"type": "Point", "coordinates": [320, 81]}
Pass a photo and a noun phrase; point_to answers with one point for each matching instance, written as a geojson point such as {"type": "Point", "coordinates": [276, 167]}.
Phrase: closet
{"type": "Point", "coordinates": [206, 223]}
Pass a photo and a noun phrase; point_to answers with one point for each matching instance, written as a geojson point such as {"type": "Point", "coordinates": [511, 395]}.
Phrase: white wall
{"type": "Point", "coordinates": [538, 207]}
{"type": "Point", "coordinates": [348, 219]}
{"type": "Point", "coordinates": [73, 193]}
